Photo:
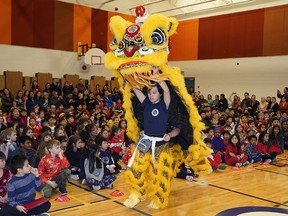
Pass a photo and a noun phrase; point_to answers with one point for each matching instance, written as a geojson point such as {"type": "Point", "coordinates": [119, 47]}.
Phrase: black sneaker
{"type": "Point", "coordinates": [63, 191]}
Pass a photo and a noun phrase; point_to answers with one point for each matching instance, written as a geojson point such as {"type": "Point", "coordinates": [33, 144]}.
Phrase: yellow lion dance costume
{"type": "Point", "coordinates": [136, 48]}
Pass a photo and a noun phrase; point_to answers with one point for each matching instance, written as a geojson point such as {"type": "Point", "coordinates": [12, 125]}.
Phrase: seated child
{"type": "Point", "coordinates": [186, 173]}
{"type": "Point", "coordinates": [110, 167]}
{"type": "Point", "coordinates": [128, 151]}
{"type": "Point", "coordinates": [37, 130]}
{"type": "Point", "coordinates": [22, 189]}
{"type": "Point", "coordinates": [94, 170]}
{"type": "Point", "coordinates": [226, 136]}
{"type": "Point", "coordinates": [235, 155]}
{"type": "Point", "coordinates": [41, 150]}
{"type": "Point", "coordinates": [251, 150]}
{"type": "Point", "coordinates": [116, 146]}
{"type": "Point", "coordinates": [214, 158]}
{"type": "Point", "coordinates": [218, 143]}
{"type": "Point", "coordinates": [8, 145]}
{"type": "Point", "coordinates": [26, 149]}
{"type": "Point", "coordinates": [73, 155]}
{"type": "Point", "coordinates": [5, 176]}
{"type": "Point", "coordinates": [262, 147]}
{"type": "Point", "coordinates": [64, 142]}
{"type": "Point", "coordinates": [53, 169]}
{"type": "Point", "coordinates": [84, 156]}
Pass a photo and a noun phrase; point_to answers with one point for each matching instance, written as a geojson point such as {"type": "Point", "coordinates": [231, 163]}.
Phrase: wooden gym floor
{"type": "Point", "coordinates": [208, 195]}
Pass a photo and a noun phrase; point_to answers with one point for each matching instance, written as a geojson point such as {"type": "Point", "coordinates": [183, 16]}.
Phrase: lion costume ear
{"type": "Point", "coordinates": [158, 21]}
{"type": "Point", "coordinates": [118, 27]}
{"type": "Point", "coordinates": [173, 25]}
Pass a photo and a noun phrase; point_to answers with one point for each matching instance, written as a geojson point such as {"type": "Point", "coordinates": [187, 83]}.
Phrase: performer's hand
{"type": "Point", "coordinates": [155, 70]}
{"type": "Point", "coordinates": [167, 137]}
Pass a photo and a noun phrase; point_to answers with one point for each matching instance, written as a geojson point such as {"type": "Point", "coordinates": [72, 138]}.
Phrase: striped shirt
{"type": "Point", "coordinates": [22, 189]}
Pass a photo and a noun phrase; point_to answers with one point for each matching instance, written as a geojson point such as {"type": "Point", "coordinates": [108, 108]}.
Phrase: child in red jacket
{"type": "Point", "coordinates": [116, 146]}
{"type": "Point", "coordinates": [53, 169]}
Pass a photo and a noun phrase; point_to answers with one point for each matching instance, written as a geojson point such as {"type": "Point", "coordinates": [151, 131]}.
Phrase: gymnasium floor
{"type": "Point", "coordinates": [211, 194]}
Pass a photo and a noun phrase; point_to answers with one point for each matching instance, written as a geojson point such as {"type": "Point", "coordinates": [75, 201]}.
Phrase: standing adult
{"type": "Point", "coordinates": [223, 103]}
{"type": "Point", "coordinates": [285, 93]}
{"type": "Point", "coordinates": [245, 103]}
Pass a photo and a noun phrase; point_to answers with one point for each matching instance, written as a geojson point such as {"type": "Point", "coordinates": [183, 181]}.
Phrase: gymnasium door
{"type": "Point", "coordinates": [190, 82]}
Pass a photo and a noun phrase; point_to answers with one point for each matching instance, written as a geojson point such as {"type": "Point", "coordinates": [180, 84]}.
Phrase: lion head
{"type": "Point", "coordinates": [136, 48]}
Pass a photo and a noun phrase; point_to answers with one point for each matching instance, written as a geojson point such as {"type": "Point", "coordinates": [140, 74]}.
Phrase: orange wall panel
{"type": "Point", "coordinates": [63, 26]}
{"type": "Point", "coordinates": [213, 37]}
{"type": "Point", "coordinates": [232, 35]}
{"type": "Point", "coordinates": [22, 22]}
{"type": "Point", "coordinates": [81, 26]}
{"type": "Point", "coordinates": [246, 34]}
{"type": "Point", "coordinates": [275, 37]}
{"type": "Point", "coordinates": [44, 24]}
{"type": "Point", "coordinates": [184, 44]}
{"type": "Point", "coordinates": [5, 22]}
{"type": "Point", "coordinates": [99, 27]}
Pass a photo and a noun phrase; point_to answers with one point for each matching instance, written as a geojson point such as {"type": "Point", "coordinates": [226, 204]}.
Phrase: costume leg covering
{"type": "Point", "coordinates": [162, 173]}
{"type": "Point", "coordinates": [137, 178]}
{"type": "Point", "coordinates": [177, 154]}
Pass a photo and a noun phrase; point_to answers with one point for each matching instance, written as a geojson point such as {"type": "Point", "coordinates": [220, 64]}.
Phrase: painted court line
{"type": "Point", "coordinates": [106, 198]}
{"type": "Point", "coordinates": [79, 186]}
{"type": "Point", "coordinates": [98, 201]}
{"type": "Point", "coordinates": [137, 210]}
{"type": "Point", "coordinates": [81, 201]}
{"type": "Point", "coordinates": [265, 170]}
{"type": "Point", "coordinates": [57, 210]}
{"type": "Point", "coordinates": [230, 190]}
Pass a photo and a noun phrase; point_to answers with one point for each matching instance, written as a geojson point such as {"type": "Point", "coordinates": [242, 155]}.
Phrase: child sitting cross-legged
{"type": "Point", "coordinates": [94, 170]}
{"type": "Point", "coordinates": [235, 155]}
{"type": "Point", "coordinates": [254, 156]}
{"type": "Point", "coordinates": [110, 167]}
{"type": "Point", "coordinates": [53, 169]}
{"type": "Point", "coordinates": [214, 158]}
{"type": "Point", "coordinates": [22, 189]}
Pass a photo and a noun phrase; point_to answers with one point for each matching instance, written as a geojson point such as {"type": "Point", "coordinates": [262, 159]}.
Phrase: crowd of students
{"type": "Point", "coordinates": [59, 133]}
{"type": "Point", "coordinates": [54, 134]}
{"type": "Point", "coordinates": [245, 131]}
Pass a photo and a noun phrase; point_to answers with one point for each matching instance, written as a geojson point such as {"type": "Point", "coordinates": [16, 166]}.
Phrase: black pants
{"type": "Point", "coordinates": [270, 156]}
{"type": "Point", "coordinates": [116, 157]}
{"type": "Point", "coordinates": [8, 210]}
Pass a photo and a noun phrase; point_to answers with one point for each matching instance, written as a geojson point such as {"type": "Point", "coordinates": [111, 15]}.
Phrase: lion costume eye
{"type": "Point", "coordinates": [158, 37]}
{"type": "Point", "coordinates": [121, 45]}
